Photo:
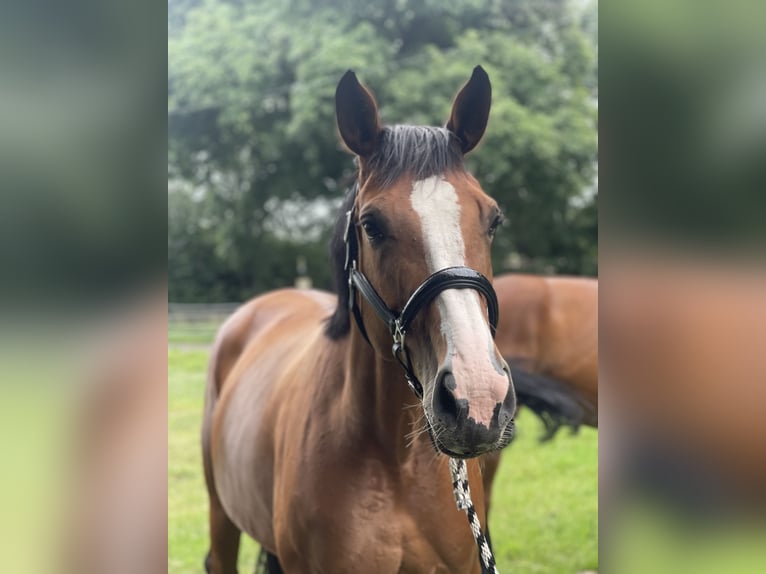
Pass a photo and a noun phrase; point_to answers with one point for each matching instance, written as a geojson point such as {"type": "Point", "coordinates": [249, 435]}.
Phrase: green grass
{"type": "Point", "coordinates": [187, 497]}
{"type": "Point", "coordinates": [545, 500]}
{"type": "Point", "coordinates": [202, 333]}
{"type": "Point", "coordinates": [544, 516]}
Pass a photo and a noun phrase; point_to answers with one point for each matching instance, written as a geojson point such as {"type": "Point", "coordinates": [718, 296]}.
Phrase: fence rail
{"type": "Point", "coordinates": [196, 323]}
{"type": "Point", "coordinates": [199, 312]}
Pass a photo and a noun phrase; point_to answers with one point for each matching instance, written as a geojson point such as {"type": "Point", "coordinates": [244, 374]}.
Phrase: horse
{"type": "Point", "coordinates": [313, 440]}
{"type": "Point", "coordinates": [548, 334]}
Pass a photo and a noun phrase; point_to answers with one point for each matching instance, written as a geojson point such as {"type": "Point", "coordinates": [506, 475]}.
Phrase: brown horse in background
{"type": "Point", "coordinates": [548, 334]}
{"type": "Point", "coordinates": [308, 442]}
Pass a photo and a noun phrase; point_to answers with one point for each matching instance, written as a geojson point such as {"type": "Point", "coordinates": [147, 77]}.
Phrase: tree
{"type": "Point", "coordinates": [251, 118]}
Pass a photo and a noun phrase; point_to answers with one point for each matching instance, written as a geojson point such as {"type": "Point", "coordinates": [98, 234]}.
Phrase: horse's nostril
{"type": "Point", "coordinates": [446, 404]}
{"type": "Point", "coordinates": [448, 381]}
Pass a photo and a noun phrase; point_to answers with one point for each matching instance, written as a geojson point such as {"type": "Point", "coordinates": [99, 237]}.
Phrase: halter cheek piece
{"type": "Point", "coordinates": [448, 278]}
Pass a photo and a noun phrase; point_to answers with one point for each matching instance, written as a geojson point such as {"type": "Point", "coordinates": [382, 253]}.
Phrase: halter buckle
{"type": "Point", "coordinates": [398, 333]}
{"type": "Point", "coordinates": [402, 356]}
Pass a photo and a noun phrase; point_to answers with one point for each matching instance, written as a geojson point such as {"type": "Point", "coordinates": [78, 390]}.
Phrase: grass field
{"type": "Point", "coordinates": [544, 516]}
{"type": "Point", "coordinates": [196, 333]}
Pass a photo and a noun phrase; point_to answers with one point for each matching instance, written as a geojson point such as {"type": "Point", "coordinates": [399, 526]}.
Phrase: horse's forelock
{"type": "Point", "coordinates": [416, 151]}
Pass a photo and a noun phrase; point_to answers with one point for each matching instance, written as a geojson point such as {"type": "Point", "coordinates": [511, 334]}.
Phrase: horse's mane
{"type": "Point", "coordinates": [415, 151]}
{"type": "Point", "coordinates": [338, 323]}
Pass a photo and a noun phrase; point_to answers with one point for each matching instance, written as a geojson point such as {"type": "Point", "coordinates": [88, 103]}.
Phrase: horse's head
{"type": "Point", "coordinates": [416, 212]}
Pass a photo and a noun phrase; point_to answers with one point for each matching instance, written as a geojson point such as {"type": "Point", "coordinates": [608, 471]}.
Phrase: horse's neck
{"type": "Point", "coordinates": [378, 405]}
{"type": "Point", "coordinates": [377, 399]}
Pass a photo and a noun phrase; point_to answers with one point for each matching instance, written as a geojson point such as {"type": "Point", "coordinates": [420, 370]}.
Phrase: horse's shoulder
{"type": "Point", "coordinates": [273, 312]}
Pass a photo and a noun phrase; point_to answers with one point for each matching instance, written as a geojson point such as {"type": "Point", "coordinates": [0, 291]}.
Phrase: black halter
{"type": "Point", "coordinates": [448, 278]}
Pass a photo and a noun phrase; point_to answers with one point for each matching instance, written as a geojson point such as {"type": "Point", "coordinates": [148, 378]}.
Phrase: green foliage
{"type": "Point", "coordinates": [251, 125]}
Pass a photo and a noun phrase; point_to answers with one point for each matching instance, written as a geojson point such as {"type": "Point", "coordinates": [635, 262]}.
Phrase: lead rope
{"type": "Point", "coordinates": [463, 500]}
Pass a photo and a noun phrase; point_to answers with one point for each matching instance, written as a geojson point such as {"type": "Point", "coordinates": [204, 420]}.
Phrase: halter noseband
{"type": "Point", "coordinates": [448, 278]}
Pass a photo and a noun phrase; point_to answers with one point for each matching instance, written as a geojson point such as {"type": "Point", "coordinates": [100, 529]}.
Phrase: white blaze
{"type": "Point", "coordinates": [470, 349]}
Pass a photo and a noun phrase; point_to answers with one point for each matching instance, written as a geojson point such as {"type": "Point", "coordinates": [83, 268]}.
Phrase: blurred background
{"type": "Point", "coordinates": [256, 172]}
{"type": "Point", "coordinates": [83, 324]}
{"type": "Point", "coordinates": [682, 307]}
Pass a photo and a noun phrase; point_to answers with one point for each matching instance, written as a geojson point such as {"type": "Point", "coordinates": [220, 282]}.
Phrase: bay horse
{"type": "Point", "coordinates": [313, 442]}
{"type": "Point", "coordinates": [548, 334]}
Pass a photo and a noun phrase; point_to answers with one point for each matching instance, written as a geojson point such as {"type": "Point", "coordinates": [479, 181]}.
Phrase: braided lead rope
{"type": "Point", "coordinates": [463, 500]}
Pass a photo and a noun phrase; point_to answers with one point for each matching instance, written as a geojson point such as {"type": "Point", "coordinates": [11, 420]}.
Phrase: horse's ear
{"type": "Point", "coordinates": [470, 110]}
{"type": "Point", "coordinates": [357, 115]}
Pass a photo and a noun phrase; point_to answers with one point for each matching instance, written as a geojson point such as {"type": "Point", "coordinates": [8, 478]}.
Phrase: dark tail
{"type": "Point", "coordinates": [553, 401]}
{"type": "Point", "coordinates": [267, 563]}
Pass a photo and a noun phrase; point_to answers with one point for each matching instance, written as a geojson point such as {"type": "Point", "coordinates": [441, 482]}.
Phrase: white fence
{"type": "Point", "coordinates": [196, 323]}
{"type": "Point", "coordinates": [200, 312]}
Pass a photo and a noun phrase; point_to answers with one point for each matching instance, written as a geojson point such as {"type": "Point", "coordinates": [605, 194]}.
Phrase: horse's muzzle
{"type": "Point", "coordinates": [458, 434]}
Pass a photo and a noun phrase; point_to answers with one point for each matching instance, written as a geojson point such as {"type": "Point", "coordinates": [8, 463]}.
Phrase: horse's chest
{"type": "Point", "coordinates": [372, 524]}
{"type": "Point", "coordinates": [437, 539]}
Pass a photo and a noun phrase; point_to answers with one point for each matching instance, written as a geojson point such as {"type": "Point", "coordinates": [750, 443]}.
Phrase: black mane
{"type": "Point", "coordinates": [415, 151]}
{"type": "Point", "coordinates": [338, 323]}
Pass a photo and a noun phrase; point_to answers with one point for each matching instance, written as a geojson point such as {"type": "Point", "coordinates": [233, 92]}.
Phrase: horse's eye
{"type": "Point", "coordinates": [372, 231]}
{"type": "Point", "coordinates": [497, 222]}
